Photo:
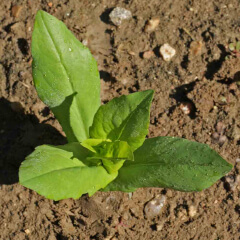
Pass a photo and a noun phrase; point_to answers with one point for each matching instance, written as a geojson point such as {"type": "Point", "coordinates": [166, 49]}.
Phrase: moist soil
{"type": "Point", "coordinates": [204, 74]}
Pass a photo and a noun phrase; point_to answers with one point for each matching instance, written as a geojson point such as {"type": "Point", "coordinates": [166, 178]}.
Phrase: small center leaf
{"type": "Point", "coordinates": [111, 155]}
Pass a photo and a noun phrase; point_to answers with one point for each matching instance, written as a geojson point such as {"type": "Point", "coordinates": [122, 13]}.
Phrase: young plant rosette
{"type": "Point", "coordinates": [106, 149]}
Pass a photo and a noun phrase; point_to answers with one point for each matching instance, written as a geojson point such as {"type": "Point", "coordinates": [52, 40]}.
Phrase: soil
{"type": "Point", "coordinates": [205, 76]}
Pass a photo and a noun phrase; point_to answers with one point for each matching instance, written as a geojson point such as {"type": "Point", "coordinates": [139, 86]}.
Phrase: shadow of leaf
{"type": "Point", "coordinates": [19, 135]}
{"type": "Point", "coordinates": [66, 122]}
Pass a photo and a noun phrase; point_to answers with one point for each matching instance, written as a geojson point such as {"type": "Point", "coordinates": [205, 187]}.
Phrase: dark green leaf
{"type": "Point", "coordinates": [125, 118]}
{"type": "Point", "coordinates": [173, 163]}
{"type": "Point", "coordinates": [65, 75]}
{"type": "Point", "coordinates": [62, 172]}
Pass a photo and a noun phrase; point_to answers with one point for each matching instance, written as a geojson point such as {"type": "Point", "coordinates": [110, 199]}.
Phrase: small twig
{"type": "Point", "coordinates": [188, 33]}
{"type": "Point", "coordinates": [24, 84]}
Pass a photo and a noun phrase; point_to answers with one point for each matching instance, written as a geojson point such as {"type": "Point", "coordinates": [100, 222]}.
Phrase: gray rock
{"type": "Point", "coordinates": [119, 14]}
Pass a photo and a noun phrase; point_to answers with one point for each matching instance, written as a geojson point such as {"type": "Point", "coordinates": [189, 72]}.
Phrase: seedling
{"type": "Point", "coordinates": [106, 149]}
{"type": "Point", "coordinates": [234, 49]}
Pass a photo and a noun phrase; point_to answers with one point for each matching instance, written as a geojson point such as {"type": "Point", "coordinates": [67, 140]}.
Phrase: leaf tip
{"type": "Point", "coordinates": [229, 167]}
{"type": "Point", "coordinates": [40, 13]}
{"type": "Point", "coordinates": [150, 91]}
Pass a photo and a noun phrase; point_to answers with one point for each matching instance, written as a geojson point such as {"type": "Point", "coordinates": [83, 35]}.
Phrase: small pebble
{"type": "Point", "coordinates": [124, 81]}
{"type": "Point", "coordinates": [151, 24]}
{"type": "Point", "coordinates": [218, 138]}
{"type": "Point", "coordinates": [130, 195]}
{"type": "Point", "coordinates": [169, 193]}
{"type": "Point", "coordinates": [16, 10]}
{"type": "Point", "coordinates": [131, 53]}
{"type": "Point", "coordinates": [119, 14]}
{"type": "Point", "coordinates": [50, 4]}
{"type": "Point", "coordinates": [148, 54]}
{"type": "Point", "coordinates": [220, 127]}
{"type": "Point", "coordinates": [153, 207]}
{"type": "Point", "coordinates": [231, 182]}
{"type": "Point", "coordinates": [167, 52]}
{"type": "Point", "coordinates": [215, 137]}
{"type": "Point", "coordinates": [183, 215]}
{"type": "Point", "coordinates": [27, 231]}
{"type": "Point", "coordinates": [186, 107]}
{"type": "Point", "coordinates": [192, 211]}
{"type": "Point", "coordinates": [159, 227]}
{"type": "Point", "coordinates": [195, 48]}
{"type": "Point", "coordinates": [222, 140]}
{"type": "Point", "coordinates": [108, 238]}
{"type": "Point", "coordinates": [85, 42]}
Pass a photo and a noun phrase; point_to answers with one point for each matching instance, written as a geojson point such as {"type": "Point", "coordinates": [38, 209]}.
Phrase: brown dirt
{"type": "Point", "coordinates": [207, 80]}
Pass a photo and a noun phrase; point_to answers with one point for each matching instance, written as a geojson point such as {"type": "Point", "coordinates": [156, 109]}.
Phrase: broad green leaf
{"type": "Point", "coordinates": [111, 154]}
{"type": "Point", "coordinates": [173, 163]}
{"type": "Point", "coordinates": [125, 118]}
{"type": "Point", "coordinates": [65, 75]}
{"type": "Point", "coordinates": [60, 172]}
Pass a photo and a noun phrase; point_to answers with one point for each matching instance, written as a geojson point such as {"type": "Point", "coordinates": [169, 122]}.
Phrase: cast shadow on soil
{"type": "Point", "coordinates": [19, 135]}
{"type": "Point", "coordinates": [180, 95]}
{"type": "Point", "coordinates": [107, 77]}
{"type": "Point", "coordinates": [215, 65]}
{"type": "Point", "coordinates": [23, 46]}
{"type": "Point", "coordinates": [105, 16]}
{"type": "Point", "coordinates": [228, 81]}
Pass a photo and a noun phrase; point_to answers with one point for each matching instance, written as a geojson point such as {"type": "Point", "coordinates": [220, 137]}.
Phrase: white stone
{"type": "Point", "coordinates": [154, 207]}
{"type": "Point", "coordinates": [167, 52]}
{"type": "Point", "coordinates": [85, 42]}
{"type": "Point", "coordinates": [192, 211]}
{"type": "Point", "coordinates": [27, 231]}
{"type": "Point", "coordinates": [151, 24]}
{"type": "Point", "coordinates": [118, 14]}
{"type": "Point", "coordinates": [159, 227]}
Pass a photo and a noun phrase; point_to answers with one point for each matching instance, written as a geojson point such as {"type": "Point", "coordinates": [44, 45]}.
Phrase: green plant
{"type": "Point", "coordinates": [106, 149]}
{"type": "Point", "coordinates": [234, 49]}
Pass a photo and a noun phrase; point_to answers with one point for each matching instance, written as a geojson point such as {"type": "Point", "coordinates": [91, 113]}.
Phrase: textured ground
{"type": "Point", "coordinates": [208, 79]}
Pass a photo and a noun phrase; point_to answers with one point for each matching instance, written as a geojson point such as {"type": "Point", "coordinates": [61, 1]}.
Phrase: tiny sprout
{"type": "Point", "coordinates": [234, 49]}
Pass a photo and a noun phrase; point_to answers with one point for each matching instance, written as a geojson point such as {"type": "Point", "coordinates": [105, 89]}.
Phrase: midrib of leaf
{"type": "Point", "coordinates": [65, 70]}
{"type": "Point", "coordinates": [125, 122]}
{"type": "Point", "coordinates": [172, 164]}
{"type": "Point", "coordinates": [107, 158]}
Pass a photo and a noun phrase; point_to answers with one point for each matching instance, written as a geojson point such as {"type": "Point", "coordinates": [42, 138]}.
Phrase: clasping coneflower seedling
{"type": "Point", "coordinates": [106, 149]}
